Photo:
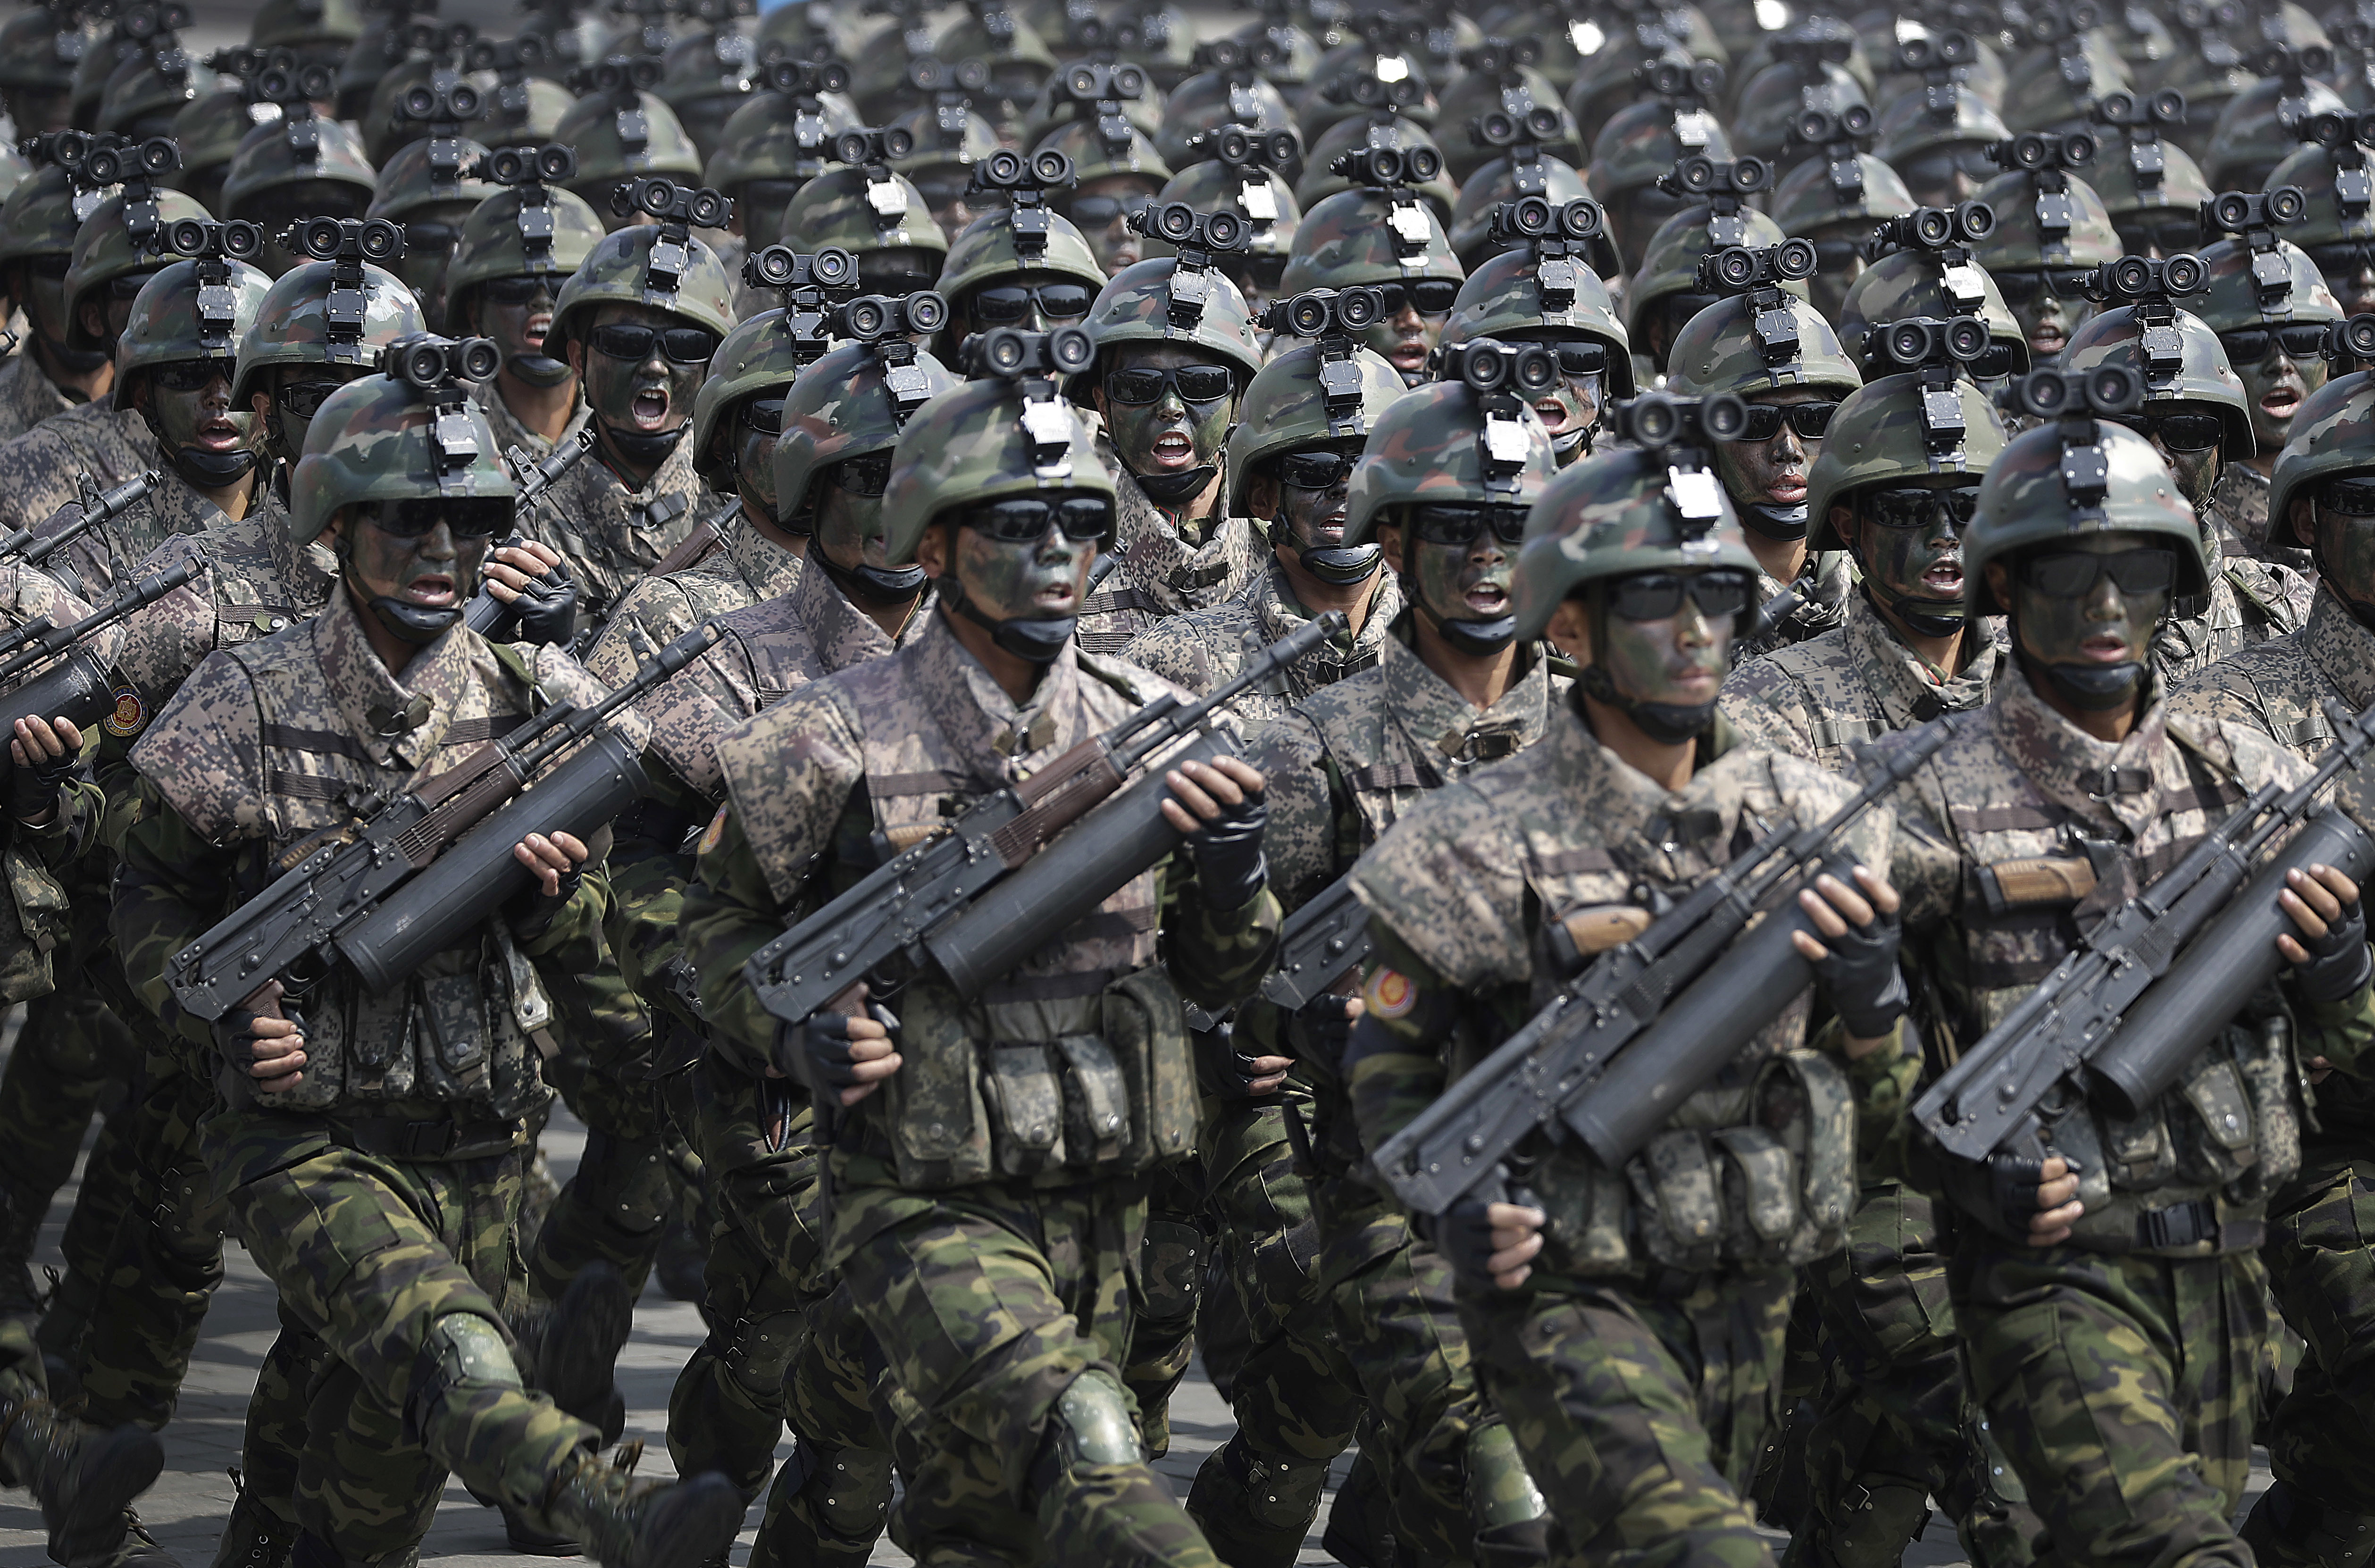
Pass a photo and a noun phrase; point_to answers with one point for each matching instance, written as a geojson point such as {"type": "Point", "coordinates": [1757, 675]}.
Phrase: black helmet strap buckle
{"type": "Point", "coordinates": [1340, 387]}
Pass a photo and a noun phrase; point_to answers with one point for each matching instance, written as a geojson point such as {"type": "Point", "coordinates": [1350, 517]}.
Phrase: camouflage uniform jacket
{"type": "Point", "coordinates": [94, 562]}
{"type": "Point", "coordinates": [1202, 649]}
{"type": "Point", "coordinates": [37, 468]}
{"type": "Point", "coordinates": [1823, 582]}
{"type": "Point", "coordinates": [897, 743]}
{"type": "Point", "coordinates": [270, 744]}
{"type": "Point", "coordinates": [254, 582]}
{"type": "Point", "coordinates": [42, 869]}
{"type": "Point", "coordinates": [510, 432]}
{"type": "Point", "coordinates": [1819, 698]}
{"type": "Point", "coordinates": [1460, 896]}
{"type": "Point", "coordinates": [2020, 783]}
{"type": "Point", "coordinates": [28, 396]}
{"type": "Point", "coordinates": [1157, 573]}
{"type": "Point", "coordinates": [2250, 601]}
{"type": "Point", "coordinates": [739, 571]}
{"type": "Point", "coordinates": [610, 536]}
{"type": "Point", "coordinates": [2238, 512]}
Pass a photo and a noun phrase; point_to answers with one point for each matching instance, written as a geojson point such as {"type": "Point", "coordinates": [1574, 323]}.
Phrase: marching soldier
{"type": "Point", "coordinates": [506, 274]}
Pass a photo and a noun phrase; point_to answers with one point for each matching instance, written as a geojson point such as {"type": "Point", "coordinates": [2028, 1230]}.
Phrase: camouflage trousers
{"type": "Point", "coordinates": [1166, 1299]}
{"type": "Point", "coordinates": [616, 1207]}
{"type": "Point", "coordinates": [2122, 1390]}
{"type": "Point", "coordinates": [72, 1055]}
{"type": "Point", "coordinates": [2321, 1436]}
{"type": "Point", "coordinates": [371, 1256]}
{"type": "Point", "coordinates": [1640, 1411]}
{"type": "Point", "coordinates": [989, 1303]}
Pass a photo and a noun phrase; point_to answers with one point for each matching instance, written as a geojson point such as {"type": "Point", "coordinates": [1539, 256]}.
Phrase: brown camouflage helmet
{"type": "Point", "coordinates": [39, 49]}
{"type": "Point", "coordinates": [845, 207]}
{"type": "Point", "coordinates": [495, 243]}
{"type": "Point", "coordinates": [1644, 140]}
{"type": "Point", "coordinates": [2333, 438]}
{"type": "Point", "coordinates": [760, 357]}
{"type": "Point", "coordinates": [1724, 348]}
{"type": "Point", "coordinates": [1286, 409]}
{"type": "Point", "coordinates": [2198, 374]}
{"type": "Point", "coordinates": [382, 438]}
{"type": "Point", "coordinates": [1809, 199]}
{"type": "Point", "coordinates": [415, 180]}
{"type": "Point", "coordinates": [1671, 263]}
{"type": "Point", "coordinates": [307, 24]}
{"type": "Point", "coordinates": [1095, 155]}
{"type": "Point", "coordinates": [168, 327]}
{"type": "Point", "coordinates": [617, 143]}
{"type": "Point", "coordinates": [936, 148]}
{"type": "Point", "coordinates": [1612, 514]}
{"type": "Point", "coordinates": [1432, 447]}
{"type": "Point", "coordinates": [1478, 93]}
{"type": "Point", "coordinates": [266, 160]}
{"type": "Point", "coordinates": [1257, 196]}
{"type": "Point", "coordinates": [2018, 242]}
{"type": "Point", "coordinates": [2169, 200]}
{"type": "Point", "coordinates": [209, 132]}
{"type": "Point", "coordinates": [985, 252]}
{"type": "Point", "coordinates": [843, 406]}
{"type": "Point", "coordinates": [44, 214]}
{"type": "Point", "coordinates": [1211, 102]}
{"type": "Point", "coordinates": [1137, 307]}
{"type": "Point", "coordinates": [2023, 502]}
{"type": "Point", "coordinates": [620, 271]}
{"type": "Point", "coordinates": [772, 139]}
{"type": "Point", "coordinates": [1363, 237]}
{"type": "Point", "coordinates": [291, 326]}
{"type": "Point", "coordinates": [1502, 299]}
{"type": "Point", "coordinates": [1318, 182]}
{"type": "Point", "coordinates": [2249, 138]}
{"type": "Point", "coordinates": [1908, 127]}
{"type": "Point", "coordinates": [2237, 299]}
{"type": "Point", "coordinates": [1912, 282]}
{"type": "Point", "coordinates": [105, 249]}
{"type": "Point", "coordinates": [1882, 435]}
{"type": "Point", "coordinates": [1769, 105]}
{"type": "Point", "coordinates": [1482, 193]}
{"type": "Point", "coordinates": [1338, 82]}
{"type": "Point", "coordinates": [146, 92]}
{"type": "Point", "coordinates": [2312, 170]}
{"type": "Point", "coordinates": [970, 445]}
{"type": "Point", "coordinates": [2048, 91]}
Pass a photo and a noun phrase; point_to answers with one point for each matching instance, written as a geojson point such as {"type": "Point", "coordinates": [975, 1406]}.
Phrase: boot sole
{"type": "Point", "coordinates": [111, 1472]}
{"type": "Point", "coordinates": [589, 1327]}
{"type": "Point", "coordinates": [690, 1524]}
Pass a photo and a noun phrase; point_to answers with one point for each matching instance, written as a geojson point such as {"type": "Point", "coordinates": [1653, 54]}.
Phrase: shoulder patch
{"type": "Point", "coordinates": [1390, 994]}
{"type": "Point", "coordinates": [130, 715]}
{"type": "Point", "coordinates": [716, 831]}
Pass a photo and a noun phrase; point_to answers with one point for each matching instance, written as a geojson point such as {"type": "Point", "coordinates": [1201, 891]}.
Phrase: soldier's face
{"type": "Point", "coordinates": [191, 406]}
{"type": "Point", "coordinates": [1909, 538]}
{"type": "Point", "coordinates": [436, 570]}
{"type": "Point", "coordinates": [1838, 263]}
{"type": "Point", "coordinates": [1101, 207]}
{"type": "Point", "coordinates": [1168, 433]}
{"type": "Point", "coordinates": [1634, 216]}
{"type": "Point", "coordinates": [1407, 336]}
{"type": "Point", "coordinates": [1454, 579]}
{"type": "Point", "coordinates": [517, 312]}
{"type": "Point", "coordinates": [848, 512]}
{"type": "Point", "coordinates": [646, 393]}
{"type": "Point", "coordinates": [41, 290]}
{"type": "Point", "coordinates": [2060, 617]}
{"type": "Point", "coordinates": [758, 424]}
{"type": "Point", "coordinates": [429, 236]}
{"type": "Point", "coordinates": [1771, 472]}
{"type": "Point", "coordinates": [2274, 384]}
{"type": "Point", "coordinates": [758, 207]}
{"type": "Point", "coordinates": [296, 395]}
{"type": "Point", "coordinates": [2349, 269]}
{"type": "Point", "coordinates": [1313, 514]}
{"type": "Point", "coordinates": [2342, 536]}
{"type": "Point", "coordinates": [2046, 304]}
{"type": "Point", "coordinates": [1011, 580]}
{"type": "Point", "coordinates": [1677, 658]}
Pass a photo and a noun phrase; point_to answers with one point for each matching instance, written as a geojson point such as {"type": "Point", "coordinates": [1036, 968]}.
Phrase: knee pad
{"type": "Point", "coordinates": [461, 1350]}
{"type": "Point", "coordinates": [1090, 1426]}
{"type": "Point", "coordinates": [1171, 1272]}
{"type": "Point", "coordinates": [1501, 1491]}
{"type": "Point", "coordinates": [851, 1488]}
{"type": "Point", "coordinates": [1273, 1492]}
{"type": "Point", "coordinates": [625, 1180]}
{"type": "Point", "coordinates": [758, 1354]}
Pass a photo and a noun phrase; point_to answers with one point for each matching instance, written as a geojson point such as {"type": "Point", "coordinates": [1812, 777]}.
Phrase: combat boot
{"type": "Point", "coordinates": [2286, 1529]}
{"type": "Point", "coordinates": [570, 1351]}
{"type": "Point", "coordinates": [133, 1548]}
{"type": "Point", "coordinates": [253, 1536]}
{"type": "Point", "coordinates": [626, 1523]}
{"type": "Point", "coordinates": [83, 1478]}
{"type": "Point", "coordinates": [1256, 1508]}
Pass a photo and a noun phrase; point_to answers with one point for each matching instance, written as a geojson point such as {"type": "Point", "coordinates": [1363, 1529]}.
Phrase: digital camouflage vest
{"type": "Point", "coordinates": [1201, 650]}
{"type": "Point", "coordinates": [1157, 573]}
{"type": "Point", "coordinates": [1822, 698]}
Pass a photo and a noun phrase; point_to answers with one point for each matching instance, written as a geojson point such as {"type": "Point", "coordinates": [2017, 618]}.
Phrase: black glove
{"type": "Point", "coordinates": [2338, 961]}
{"type": "Point", "coordinates": [33, 789]}
{"type": "Point", "coordinates": [1227, 1070]}
{"type": "Point", "coordinates": [1323, 1027]}
{"type": "Point", "coordinates": [815, 1053]}
{"type": "Point", "coordinates": [1862, 978]}
{"type": "Point", "coordinates": [2013, 1181]}
{"type": "Point", "coordinates": [547, 608]}
{"type": "Point", "coordinates": [1228, 852]}
{"type": "Point", "coordinates": [533, 913]}
{"type": "Point", "coordinates": [1463, 1235]}
{"type": "Point", "coordinates": [234, 1035]}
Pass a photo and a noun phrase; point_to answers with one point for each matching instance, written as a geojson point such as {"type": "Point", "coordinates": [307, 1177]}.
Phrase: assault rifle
{"type": "Point", "coordinates": [81, 686]}
{"type": "Point", "coordinates": [1317, 945]}
{"type": "Point", "coordinates": [995, 884]}
{"type": "Point", "coordinates": [485, 614]}
{"type": "Point", "coordinates": [94, 506]}
{"type": "Point", "coordinates": [1649, 1023]}
{"type": "Point", "coordinates": [2104, 1022]}
{"type": "Point", "coordinates": [427, 865]}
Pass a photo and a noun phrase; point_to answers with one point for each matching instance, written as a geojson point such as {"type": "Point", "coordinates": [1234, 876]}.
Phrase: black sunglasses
{"type": "Point", "coordinates": [1994, 363]}
{"type": "Point", "coordinates": [1141, 384]}
{"type": "Point", "coordinates": [128, 286]}
{"type": "Point", "coordinates": [2343, 257]}
{"type": "Point", "coordinates": [1314, 470]}
{"type": "Point", "coordinates": [1808, 419]}
{"type": "Point", "coordinates": [1657, 596]}
{"type": "Point", "coordinates": [303, 399]}
{"type": "Point", "coordinates": [426, 234]}
{"type": "Point", "coordinates": [1428, 296]}
{"type": "Point", "coordinates": [516, 290]}
{"type": "Point", "coordinates": [2022, 285]}
{"type": "Point", "coordinates": [2178, 432]}
{"type": "Point", "coordinates": [2249, 345]}
{"type": "Point", "coordinates": [195, 376]}
{"type": "Point", "coordinates": [2169, 236]}
{"type": "Point", "coordinates": [1027, 521]}
{"type": "Point", "coordinates": [468, 517]}
{"type": "Point", "coordinates": [1445, 524]}
{"type": "Point", "coordinates": [1008, 303]}
{"type": "Point", "coordinates": [2351, 497]}
{"type": "Point", "coordinates": [680, 344]}
{"type": "Point", "coordinates": [764, 415]}
{"type": "Point", "coordinates": [1917, 506]}
{"type": "Point", "coordinates": [868, 476]}
{"type": "Point", "coordinates": [1579, 359]}
{"type": "Point", "coordinates": [2069, 575]}
{"type": "Point", "coordinates": [1099, 212]}
{"type": "Point", "coordinates": [898, 284]}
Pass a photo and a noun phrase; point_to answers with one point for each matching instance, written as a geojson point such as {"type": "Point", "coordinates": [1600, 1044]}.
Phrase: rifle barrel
{"type": "Point", "coordinates": [1169, 723]}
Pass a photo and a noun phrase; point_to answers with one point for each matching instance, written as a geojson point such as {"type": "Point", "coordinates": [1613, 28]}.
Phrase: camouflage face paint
{"type": "Point", "coordinates": [45, 311]}
{"type": "Point", "coordinates": [1022, 582]}
{"type": "Point", "coordinates": [435, 570]}
{"type": "Point", "coordinates": [646, 398]}
{"type": "Point", "coordinates": [2345, 553]}
{"type": "Point", "coordinates": [203, 419]}
{"type": "Point", "coordinates": [306, 385]}
{"type": "Point", "coordinates": [1315, 519]}
{"type": "Point", "coordinates": [2274, 389]}
{"type": "Point", "coordinates": [518, 330]}
{"type": "Point", "coordinates": [1916, 564]}
{"type": "Point", "coordinates": [1467, 582]}
{"type": "Point", "coordinates": [849, 528]}
{"type": "Point", "coordinates": [1169, 435]}
{"type": "Point", "coordinates": [1406, 337]}
{"type": "Point", "coordinates": [754, 467]}
{"type": "Point", "coordinates": [1678, 661]}
{"type": "Point", "coordinates": [2093, 632]}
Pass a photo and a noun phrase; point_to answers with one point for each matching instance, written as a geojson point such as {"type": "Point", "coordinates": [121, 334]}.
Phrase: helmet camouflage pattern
{"type": "Point", "coordinates": [1349, 238]}
{"type": "Point", "coordinates": [1317, 113]}
{"type": "Point", "coordinates": [983, 252]}
{"type": "Point", "coordinates": [33, 55]}
{"type": "Point", "coordinates": [605, 156]}
{"type": "Point", "coordinates": [1285, 409]}
{"type": "Point", "coordinates": [761, 140]}
{"type": "Point", "coordinates": [978, 141]}
{"type": "Point", "coordinates": [264, 161]}
{"type": "Point", "coordinates": [1136, 308]}
{"type": "Point", "coordinates": [2235, 299]}
{"type": "Point", "coordinates": [2022, 502]}
{"type": "Point", "coordinates": [761, 355]}
{"type": "Point", "coordinates": [2042, 95]}
{"type": "Point", "coordinates": [1669, 264]}
{"type": "Point", "coordinates": [1502, 299]}
{"type": "Point", "coordinates": [104, 249]}
{"type": "Point", "coordinates": [1094, 157]}
{"type": "Point", "coordinates": [409, 182]}
{"type": "Point", "coordinates": [1908, 127]}
{"type": "Point", "coordinates": [1211, 184]}
{"type": "Point", "coordinates": [1911, 282]}
{"type": "Point", "coordinates": [42, 214]}
{"type": "Point", "coordinates": [1427, 449]}
{"type": "Point", "coordinates": [371, 440]}
{"type": "Point", "coordinates": [1769, 105]}
{"type": "Point", "coordinates": [1608, 515]}
{"type": "Point", "coordinates": [146, 92]}
{"type": "Point", "coordinates": [1640, 142]}
{"type": "Point", "coordinates": [1878, 437]}
{"type": "Point", "coordinates": [968, 446]}
{"type": "Point", "coordinates": [705, 77]}
{"type": "Point", "coordinates": [1495, 182]}
{"type": "Point", "coordinates": [1347, 136]}
{"type": "Point", "coordinates": [15, 170]}
{"type": "Point", "coordinates": [2330, 220]}
{"type": "Point", "coordinates": [2180, 186]}
{"type": "Point", "coordinates": [293, 324]}
{"type": "Point", "coordinates": [2333, 438]}
{"type": "Point", "coordinates": [165, 328]}
{"type": "Point", "coordinates": [1050, 113]}
{"type": "Point", "coordinates": [835, 209]}
{"type": "Point", "coordinates": [2017, 243]}
{"type": "Point", "coordinates": [841, 409]}
{"type": "Point", "coordinates": [2201, 374]}
{"type": "Point", "coordinates": [619, 272]}
{"type": "Point", "coordinates": [493, 246]}
{"type": "Point", "coordinates": [1806, 200]}
{"type": "Point", "coordinates": [1210, 102]}
{"type": "Point", "coordinates": [209, 131]}
{"type": "Point", "coordinates": [1716, 350]}
{"type": "Point", "coordinates": [2249, 137]}
{"type": "Point", "coordinates": [1478, 92]}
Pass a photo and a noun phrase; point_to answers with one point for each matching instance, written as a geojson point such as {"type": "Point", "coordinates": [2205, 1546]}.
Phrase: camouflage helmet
{"type": "Point", "coordinates": [2200, 375]}
{"type": "Point", "coordinates": [1769, 105]}
{"type": "Point", "coordinates": [1482, 93]}
{"type": "Point", "coordinates": [1318, 182]}
{"type": "Point", "coordinates": [106, 249]}
{"type": "Point", "coordinates": [532, 122]}
{"type": "Point", "coordinates": [1644, 140]}
{"type": "Point", "coordinates": [105, 52]}
{"type": "Point", "coordinates": [1211, 184]}
{"type": "Point", "coordinates": [2250, 139]}
{"type": "Point", "coordinates": [2023, 502]}
{"type": "Point", "coordinates": [1908, 283]}
{"type": "Point", "coordinates": [1351, 238]}
{"type": "Point", "coordinates": [1490, 185]}
{"type": "Point", "coordinates": [841, 407]}
{"type": "Point", "coordinates": [495, 242]}
{"type": "Point", "coordinates": [762, 354]}
{"type": "Point", "coordinates": [1095, 155]}
{"type": "Point", "coordinates": [1721, 349]}
{"type": "Point", "coordinates": [620, 271]}
{"type": "Point", "coordinates": [2314, 170]}
{"type": "Point", "coordinates": [2329, 440]}
{"type": "Point", "coordinates": [1285, 409]}
{"type": "Point", "coordinates": [1671, 263]}
{"type": "Point", "coordinates": [936, 146]}
{"type": "Point", "coordinates": [1429, 448]}
{"type": "Point", "coordinates": [2052, 89]}
{"type": "Point", "coordinates": [770, 138]}
{"type": "Point", "coordinates": [382, 45]}
{"type": "Point", "coordinates": [2018, 242]}
{"type": "Point", "coordinates": [969, 445]}
{"type": "Point", "coordinates": [294, 24]}
{"type": "Point", "coordinates": [1810, 196]}
{"type": "Point", "coordinates": [38, 54]}
{"type": "Point", "coordinates": [838, 207]}
{"type": "Point", "coordinates": [706, 77]}
{"type": "Point", "coordinates": [42, 214]}
{"type": "Point", "coordinates": [2236, 298]}
{"type": "Point", "coordinates": [1612, 514]}
{"type": "Point", "coordinates": [1018, 58]}
{"type": "Point", "coordinates": [1136, 307]}
{"type": "Point", "coordinates": [381, 438]}
{"type": "Point", "coordinates": [291, 325]}
{"type": "Point", "coordinates": [209, 131]}
{"type": "Point", "coordinates": [269, 159]}
{"type": "Point", "coordinates": [412, 180]}
{"type": "Point", "coordinates": [1055, 108]}
{"type": "Point", "coordinates": [1908, 127]}
{"type": "Point", "coordinates": [1211, 102]}
{"type": "Point", "coordinates": [1502, 299]}
{"type": "Point", "coordinates": [167, 326]}
{"type": "Point", "coordinates": [1879, 436]}
{"type": "Point", "coordinates": [146, 92]}
{"type": "Point", "coordinates": [618, 141]}
{"type": "Point", "coordinates": [985, 252]}
{"type": "Point", "coordinates": [2179, 188]}
{"type": "Point", "coordinates": [1327, 98]}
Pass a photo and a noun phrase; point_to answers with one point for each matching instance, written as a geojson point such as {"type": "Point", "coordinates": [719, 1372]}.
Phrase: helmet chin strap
{"type": "Point", "coordinates": [1333, 564]}
{"type": "Point", "coordinates": [643, 450]}
{"type": "Point", "coordinates": [1480, 639]}
{"type": "Point", "coordinates": [417, 624]}
{"type": "Point", "coordinates": [206, 470]}
{"type": "Point", "coordinates": [1170, 489]}
{"type": "Point", "coordinates": [1930, 618]}
{"type": "Point", "coordinates": [1668, 724]}
{"type": "Point", "coordinates": [1786, 525]}
{"type": "Point", "coordinates": [873, 585]}
{"type": "Point", "coordinates": [539, 371]}
{"type": "Point", "coordinates": [1037, 639]}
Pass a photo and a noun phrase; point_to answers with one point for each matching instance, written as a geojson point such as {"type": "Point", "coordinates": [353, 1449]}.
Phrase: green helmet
{"type": "Point", "coordinates": [1911, 282]}
{"type": "Point", "coordinates": [531, 120]}
{"type": "Point", "coordinates": [168, 326]}
{"type": "Point", "coordinates": [2019, 242]}
{"type": "Point", "coordinates": [383, 438]}
{"type": "Point", "coordinates": [1095, 154]}
{"type": "Point", "coordinates": [1484, 190]}
{"type": "Point", "coordinates": [496, 242]}
{"type": "Point", "coordinates": [957, 139]}
{"type": "Point", "coordinates": [1671, 263]}
{"type": "Point", "coordinates": [1769, 105]}
{"type": "Point", "coordinates": [2251, 137]}
{"type": "Point", "coordinates": [1137, 307]}
{"type": "Point", "coordinates": [1212, 101]}
{"type": "Point", "coordinates": [38, 49]}
{"type": "Point", "coordinates": [1612, 514]}
{"type": "Point", "coordinates": [1354, 71]}
{"type": "Point", "coordinates": [105, 249]}
{"type": "Point", "coordinates": [1019, 59]}
{"type": "Point", "coordinates": [417, 178]}
{"type": "Point", "coordinates": [147, 90]}
{"type": "Point", "coordinates": [297, 24]}
{"type": "Point", "coordinates": [618, 138]}
{"type": "Point", "coordinates": [1056, 106]}
{"type": "Point", "coordinates": [1319, 182]}
{"type": "Point", "coordinates": [2328, 440]}
{"type": "Point", "coordinates": [622, 270]}
{"type": "Point", "coordinates": [1723, 348]}
{"type": "Point", "coordinates": [1281, 50]}
{"type": "Point", "coordinates": [1285, 409]}
{"type": "Point", "coordinates": [2175, 190]}
{"type": "Point", "coordinates": [706, 77]}
{"type": "Point", "coordinates": [2237, 299]}
{"type": "Point", "coordinates": [2053, 90]}
{"type": "Point", "coordinates": [291, 325]}
{"type": "Point", "coordinates": [863, 214]}
{"type": "Point", "coordinates": [1643, 141]}
{"type": "Point", "coordinates": [1257, 196]}
{"type": "Point", "coordinates": [1882, 435]}
{"type": "Point", "coordinates": [971, 444]}
{"type": "Point", "coordinates": [277, 154]}
{"type": "Point", "coordinates": [383, 44]}
{"type": "Point", "coordinates": [41, 215]}
{"type": "Point", "coordinates": [1483, 92]}
{"type": "Point", "coordinates": [1156, 36]}
{"type": "Point", "coordinates": [385, 125]}
{"type": "Point", "coordinates": [986, 253]}
{"type": "Point", "coordinates": [843, 406]}
{"type": "Point", "coordinates": [2199, 373]}
{"type": "Point", "coordinates": [1432, 447]}
{"type": "Point", "coordinates": [1365, 237]}
{"type": "Point", "coordinates": [2330, 220]}
{"type": "Point", "coordinates": [1811, 196]}
{"type": "Point", "coordinates": [2023, 501]}
{"type": "Point", "coordinates": [773, 137]}
{"type": "Point", "coordinates": [97, 63]}
{"type": "Point", "coordinates": [1909, 128]}
{"type": "Point", "coordinates": [209, 131]}
{"type": "Point", "coordinates": [762, 354]}
{"type": "Point", "coordinates": [1503, 299]}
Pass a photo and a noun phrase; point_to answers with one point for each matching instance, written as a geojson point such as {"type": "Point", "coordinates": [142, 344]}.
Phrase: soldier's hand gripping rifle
{"type": "Point", "coordinates": [1649, 1023]}
{"type": "Point", "coordinates": [81, 686]}
{"type": "Point", "coordinates": [489, 617]}
{"type": "Point", "coordinates": [2103, 1023]}
{"type": "Point", "coordinates": [1000, 881]}
{"type": "Point", "coordinates": [426, 867]}
{"type": "Point", "coordinates": [92, 506]}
